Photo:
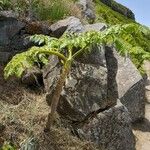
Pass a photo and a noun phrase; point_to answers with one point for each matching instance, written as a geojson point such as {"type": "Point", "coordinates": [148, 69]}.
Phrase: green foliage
{"type": "Point", "coordinates": [121, 36]}
{"type": "Point", "coordinates": [141, 39]}
{"type": "Point", "coordinates": [119, 8]}
{"type": "Point", "coordinates": [7, 146]}
{"type": "Point", "coordinates": [53, 10]}
{"type": "Point", "coordinates": [5, 4]}
{"type": "Point", "coordinates": [25, 6]}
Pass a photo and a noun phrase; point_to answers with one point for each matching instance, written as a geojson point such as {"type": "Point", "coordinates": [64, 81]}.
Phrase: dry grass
{"type": "Point", "coordinates": [27, 117]}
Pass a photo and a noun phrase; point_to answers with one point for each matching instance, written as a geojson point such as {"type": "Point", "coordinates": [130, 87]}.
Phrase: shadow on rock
{"type": "Point", "coordinates": [142, 125]}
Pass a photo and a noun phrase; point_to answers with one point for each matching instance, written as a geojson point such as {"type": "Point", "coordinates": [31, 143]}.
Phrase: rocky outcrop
{"type": "Point", "coordinates": [110, 130]}
{"type": "Point", "coordinates": [119, 8]}
{"type": "Point", "coordinates": [85, 89]}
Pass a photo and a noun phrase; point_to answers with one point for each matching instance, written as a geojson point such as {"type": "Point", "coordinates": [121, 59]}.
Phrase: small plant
{"type": "Point", "coordinates": [71, 46]}
{"type": "Point", "coordinates": [7, 146]}
{"type": "Point", "coordinates": [5, 4]}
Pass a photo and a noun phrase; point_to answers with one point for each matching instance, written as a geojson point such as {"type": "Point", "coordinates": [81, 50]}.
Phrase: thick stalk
{"type": "Point", "coordinates": [56, 97]}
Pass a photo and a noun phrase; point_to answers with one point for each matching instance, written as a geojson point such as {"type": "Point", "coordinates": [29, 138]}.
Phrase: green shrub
{"type": "Point", "coordinates": [5, 4]}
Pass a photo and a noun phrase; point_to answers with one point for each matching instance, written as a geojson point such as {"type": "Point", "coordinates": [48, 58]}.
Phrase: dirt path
{"type": "Point", "coordinates": [142, 129]}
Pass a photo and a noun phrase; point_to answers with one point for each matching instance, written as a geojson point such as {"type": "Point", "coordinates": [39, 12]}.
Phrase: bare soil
{"type": "Point", "coordinates": [23, 114]}
{"type": "Point", "coordinates": [142, 129]}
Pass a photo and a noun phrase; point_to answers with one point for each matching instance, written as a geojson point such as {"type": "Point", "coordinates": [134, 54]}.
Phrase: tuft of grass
{"type": "Point", "coordinates": [5, 4]}
{"type": "Point", "coordinates": [43, 10]}
{"type": "Point", "coordinates": [52, 10]}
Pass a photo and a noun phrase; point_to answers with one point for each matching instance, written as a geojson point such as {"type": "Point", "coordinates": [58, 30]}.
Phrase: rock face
{"type": "Point", "coordinates": [110, 130]}
{"type": "Point", "coordinates": [131, 88]}
{"type": "Point", "coordinates": [119, 8]}
{"type": "Point", "coordinates": [10, 39]}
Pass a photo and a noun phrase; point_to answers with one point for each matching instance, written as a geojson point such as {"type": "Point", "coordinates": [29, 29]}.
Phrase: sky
{"type": "Point", "coordinates": [141, 9]}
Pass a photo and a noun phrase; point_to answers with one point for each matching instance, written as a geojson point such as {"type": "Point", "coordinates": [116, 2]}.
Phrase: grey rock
{"type": "Point", "coordinates": [32, 77]}
{"type": "Point", "coordinates": [9, 14]}
{"type": "Point", "coordinates": [95, 27]}
{"type": "Point", "coordinates": [130, 84]}
{"type": "Point", "coordinates": [5, 56]}
{"type": "Point", "coordinates": [71, 24]}
{"type": "Point", "coordinates": [110, 129]}
{"type": "Point", "coordinates": [9, 27]}
{"type": "Point", "coordinates": [86, 88]}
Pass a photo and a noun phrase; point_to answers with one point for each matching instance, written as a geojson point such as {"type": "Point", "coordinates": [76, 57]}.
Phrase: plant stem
{"type": "Point", "coordinates": [56, 96]}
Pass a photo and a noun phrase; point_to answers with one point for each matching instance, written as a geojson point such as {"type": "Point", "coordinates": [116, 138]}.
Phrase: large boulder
{"type": "Point", "coordinates": [14, 33]}
{"type": "Point", "coordinates": [91, 87]}
{"type": "Point", "coordinates": [110, 129]}
{"type": "Point", "coordinates": [71, 24]}
{"type": "Point", "coordinates": [9, 27]}
{"type": "Point", "coordinates": [87, 86]}
{"type": "Point", "coordinates": [131, 90]}
{"type": "Point", "coordinates": [10, 40]}
{"type": "Point", "coordinates": [96, 81]}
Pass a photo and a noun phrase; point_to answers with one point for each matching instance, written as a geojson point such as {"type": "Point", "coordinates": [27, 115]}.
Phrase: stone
{"type": "Point", "coordinates": [95, 27]}
{"type": "Point", "coordinates": [86, 88]}
{"type": "Point", "coordinates": [4, 57]}
{"type": "Point", "coordinates": [71, 24]}
{"type": "Point", "coordinates": [32, 77]}
{"type": "Point", "coordinates": [9, 27]}
{"type": "Point", "coordinates": [131, 90]}
{"type": "Point", "coordinates": [9, 14]}
{"type": "Point", "coordinates": [110, 129]}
